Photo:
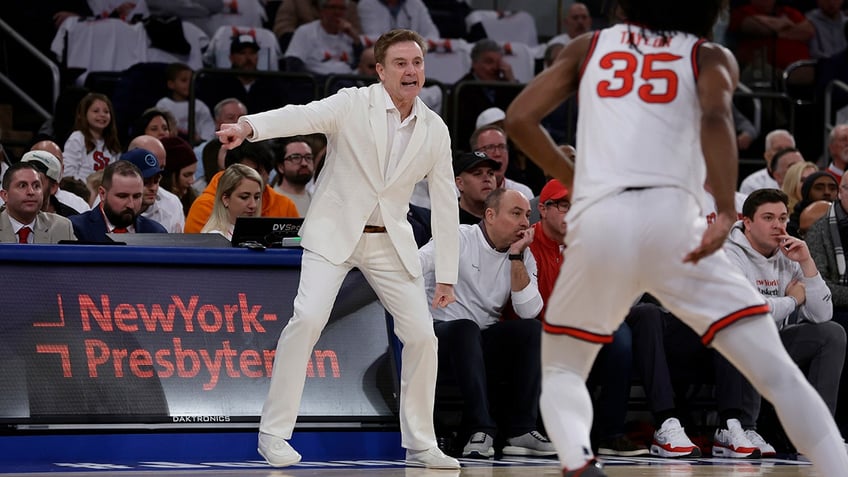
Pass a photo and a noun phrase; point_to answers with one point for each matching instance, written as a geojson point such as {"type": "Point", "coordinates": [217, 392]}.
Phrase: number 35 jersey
{"type": "Point", "coordinates": [639, 119]}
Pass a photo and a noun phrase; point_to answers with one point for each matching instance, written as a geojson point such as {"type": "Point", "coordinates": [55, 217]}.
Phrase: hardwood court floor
{"type": "Point", "coordinates": [644, 468]}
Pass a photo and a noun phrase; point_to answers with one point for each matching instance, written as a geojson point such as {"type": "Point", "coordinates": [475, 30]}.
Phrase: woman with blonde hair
{"type": "Point", "coordinates": [793, 180]}
{"type": "Point", "coordinates": [239, 193]}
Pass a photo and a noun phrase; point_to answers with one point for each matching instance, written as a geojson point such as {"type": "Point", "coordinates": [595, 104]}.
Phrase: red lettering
{"type": "Point", "coordinates": [230, 317]}
{"type": "Point", "coordinates": [186, 312]}
{"type": "Point", "coordinates": [320, 356]}
{"type": "Point", "coordinates": [118, 356]}
{"type": "Point", "coordinates": [139, 359]}
{"type": "Point", "coordinates": [100, 160]}
{"type": "Point", "coordinates": [156, 315]}
{"type": "Point", "coordinates": [64, 355]}
{"type": "Point", "coordinates": [96, 353]}
{"type": "Point", "coordinates": [210, 327]}
{"type": "Point", "coordinates": [123, 313]}
{"type": "Point", "coordinates": [162, 360]}
{"type": "Point", "coordinates": [250, 358]}
{"type": "Point", "coordinates": [89, 310]}
{"type": "Point", "coordinates": [181, 356]}
{"type": "Point", "coordinates": [248, 317]}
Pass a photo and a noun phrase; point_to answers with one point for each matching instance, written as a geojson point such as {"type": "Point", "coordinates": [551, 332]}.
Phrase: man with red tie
{"type": "Point", "coordinates": [22, 221]}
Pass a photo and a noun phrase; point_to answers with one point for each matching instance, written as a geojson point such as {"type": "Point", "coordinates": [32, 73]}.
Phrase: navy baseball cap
{"type": "Point", "coordinates": [145, 160]}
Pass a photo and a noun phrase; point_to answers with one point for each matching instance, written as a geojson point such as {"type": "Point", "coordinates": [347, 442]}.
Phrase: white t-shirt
{"type": "Point", "coordinates": [79, 163]}
{"type": "Point", "coordinates": [322, 53]}
{"type": "Point", "coordinates": [204, 125]}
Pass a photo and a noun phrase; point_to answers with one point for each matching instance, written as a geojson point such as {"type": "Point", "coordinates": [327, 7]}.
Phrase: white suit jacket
{"type": "Point", "coordinates": [352, 182]}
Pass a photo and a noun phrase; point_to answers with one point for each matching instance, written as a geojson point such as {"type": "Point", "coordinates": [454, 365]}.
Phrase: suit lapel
{"type": "Point", "coordinates": [379, 126]}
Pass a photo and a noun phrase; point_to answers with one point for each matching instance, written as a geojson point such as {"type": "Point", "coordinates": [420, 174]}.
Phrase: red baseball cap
{"type": "Point", "coordinates": [553, 190]}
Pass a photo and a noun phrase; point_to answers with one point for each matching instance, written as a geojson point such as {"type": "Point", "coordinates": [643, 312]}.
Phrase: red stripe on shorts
{"type": "Point", "coordinates": [576, 333]}
{"type": "Point", "coordinates": [730, 319]}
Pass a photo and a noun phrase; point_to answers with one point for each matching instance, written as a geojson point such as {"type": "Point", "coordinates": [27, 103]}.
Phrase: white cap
{"type": "Point", "coordinates": [46, 163]}
{"type": "Point", "coordinates": [489, 116]}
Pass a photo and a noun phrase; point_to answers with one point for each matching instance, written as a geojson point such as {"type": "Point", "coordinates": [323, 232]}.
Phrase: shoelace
{"type": "Point", "coordinates": [676, 434]}
{"type": "Point", "coordinates": [539, 436]}
{"type": "Point", "coordinates": [478, 438]}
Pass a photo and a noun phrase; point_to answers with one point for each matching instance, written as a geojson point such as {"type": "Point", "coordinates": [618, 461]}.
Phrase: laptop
{"type": "Point", "coordinates": [170, 240]}
{"type": "Point", "coordinates": [267, 232]}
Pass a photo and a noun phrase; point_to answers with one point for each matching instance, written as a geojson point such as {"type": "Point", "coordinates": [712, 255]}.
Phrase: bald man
{"type": "Point", "coordinates": [157, 203]}
{"type": "Point", "coordinates": [68, 198]}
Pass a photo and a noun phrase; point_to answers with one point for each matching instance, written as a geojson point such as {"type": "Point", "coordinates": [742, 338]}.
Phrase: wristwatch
{"type": "Point", "coordinates": [516, 256]}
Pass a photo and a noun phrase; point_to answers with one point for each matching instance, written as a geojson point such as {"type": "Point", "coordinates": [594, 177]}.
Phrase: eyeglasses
{"type": "Point", "coordinates": [562, 205]}
{"type": "Point", "coordinates": [295, 158]}
{"type": "Point", "coordinates": [490, 148]}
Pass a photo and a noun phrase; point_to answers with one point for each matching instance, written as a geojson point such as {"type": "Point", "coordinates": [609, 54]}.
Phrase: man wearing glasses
{"type": "Point", "coordinates": [294, 172]}
{"type": "Point", "coordinates": [492, 140]}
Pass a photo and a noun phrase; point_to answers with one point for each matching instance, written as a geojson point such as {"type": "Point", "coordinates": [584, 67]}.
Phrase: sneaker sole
{"type": "Point", "coordinates": [731, 454]}
{"type": "Point", "coordinates": [417, 463]}
{"type": "Point", "coordinates": [621, 453]}
{"type": "Point", "coordinates": [523, 451]}
{"type": "Point", "coordinates": [662, 452]}
{"type": "Point", "coordinates": [285, 463]}
{"type": "Point", "coordinates": [479, 455]}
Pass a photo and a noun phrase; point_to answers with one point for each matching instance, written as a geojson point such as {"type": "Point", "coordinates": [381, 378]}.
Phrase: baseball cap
{"type": "Point", "coordinates": [243, 40]}
{"type": "Point", "coordinates": [470, 160]}
{"type": "Point", "coordinates": [45, 162]}
{"type": "Point", "coordinates": [145, 160]}
{"type": "Point", "coordinates": [553, 190]}
{"type": "Point", "coordinates": [489, 116]}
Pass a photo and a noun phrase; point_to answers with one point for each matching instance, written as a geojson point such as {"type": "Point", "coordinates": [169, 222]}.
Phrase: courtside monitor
{"type": "Point", "coordinates": [270, 232]}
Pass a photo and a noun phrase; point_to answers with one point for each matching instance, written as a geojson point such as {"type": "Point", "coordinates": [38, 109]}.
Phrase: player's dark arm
{"type": "Point", "coordinates": [538, 99]}
{"type": "Point", "coordinates": [717, 80]}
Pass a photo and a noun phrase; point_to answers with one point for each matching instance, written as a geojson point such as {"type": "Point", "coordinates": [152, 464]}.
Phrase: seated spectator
{"type": "Point", "coordinates": [94, 142]}
{"type": "Point", "coordinates": [817, 186]}
{"type": "Point", "coordinates": [825, 239]}
{"type": "Point", "coordinates": [226, 111]}
{"type": "Point", "coordinates": [775, 141]}
{"type": "Point", "coordinates": [165, 208]}
{"type": "Point", "coordinates": [576, 22]}
{"type": "Point", "coordinates": [152, 122]}
{"type": "Point", "coordinates": [179, 171]}
{"type": "Point", "coordinates": [828, 21]}
{"type": "Point", "coordinates": [612, 367]}
{"type": "Point", "coordinates": [837, 148]}
{"type": "Point", "coordinates": [493, 141]}
{"type": "Point", "coordinates": [480, 349]}
{"type": "Point", "coordinates": [781, 162]}
{"type": "Point", "coordinates": [781, 268]}
{"type": "Point", "coordinates": [475, 180]}
{"type": "Point", "coordinates": [294, 172]}
{"type": "Point", "coordinates": [794, 179]}
{"type": "Point", "coordinates": [258, 157]}
{"type": "Point", "coordinates": [76, 188]}
{"type": "Point", "coordinates": [120, 193]}
{"type": "Point", "coordinates": [257, 93]}
{"type": "Point", "coordinates": [294, 13]}
{"type": "Point", "coordinates": [22, 220]}
{"type": "Point", "coordinates": [178, 82]}
{"type": "Point", "coordinates": [239, 194]}
{"type": "Point", "coordinates": [66, 197]}
{"type": "Point", "coordinates": [487, 64]}
{"type": "Point", "coordinates": [329, 45]}
{"type": "Point", "coordinates": [380, 16]}
{"type": "Point", "coordinates": [49, 171]}
{"type": "Point", "coordinates": [769, 36]}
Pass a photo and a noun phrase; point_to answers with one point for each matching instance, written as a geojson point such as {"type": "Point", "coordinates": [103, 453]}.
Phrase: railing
{"type": "Point", "coordinates": [54, 72]}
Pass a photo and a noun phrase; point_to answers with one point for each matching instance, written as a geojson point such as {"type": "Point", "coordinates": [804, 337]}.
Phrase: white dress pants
{"type": "Point", "coordinates": [401, 294]}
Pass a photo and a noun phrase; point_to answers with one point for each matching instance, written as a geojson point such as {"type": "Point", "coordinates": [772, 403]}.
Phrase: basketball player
{"type": "Point", "coordinates": [655, 121]}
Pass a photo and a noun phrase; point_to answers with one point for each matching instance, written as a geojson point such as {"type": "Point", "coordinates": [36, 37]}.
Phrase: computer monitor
{"type": "Point", "coordinates": [272, 232]}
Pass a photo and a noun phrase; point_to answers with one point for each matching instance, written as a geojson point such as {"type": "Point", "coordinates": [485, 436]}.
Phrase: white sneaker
{"type": "Point", "coordinates": [766, 449]}
{"type": "Point", "coordinates": [532, 443]}
{"type": "Point", "coordinates": [479, 446]}
{"type": "Point", "coordinates": [277, 451]}
{"type": "Point", "coordinates": [432, 458]}
{"type": "Point", "coordinates": [732, 442]}
{"type": "Point", "coordinates": [670, 440]}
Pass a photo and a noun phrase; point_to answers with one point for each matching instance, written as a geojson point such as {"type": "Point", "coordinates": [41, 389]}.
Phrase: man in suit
{"type": "Point", "coordinates": [22, 221]}
{"type": "Point", "coordinates": [120, 206]}
{"type": "Point", "coordinates": [381, 140]}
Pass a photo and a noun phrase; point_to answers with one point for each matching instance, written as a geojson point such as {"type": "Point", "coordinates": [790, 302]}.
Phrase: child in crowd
{"type": "Point", "coordinates": [94, 142]}
{"type": "Point", "coordinates": [179, 80]}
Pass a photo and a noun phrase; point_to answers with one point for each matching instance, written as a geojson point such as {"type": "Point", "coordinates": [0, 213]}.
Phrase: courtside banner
{"type": "Point", "coordinates": [111, 334]}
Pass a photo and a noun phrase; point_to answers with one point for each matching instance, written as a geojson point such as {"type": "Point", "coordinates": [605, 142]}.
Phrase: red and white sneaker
{"type": "Point", "coordinates": [670, 441]}
{"type": "Point", "coordinates": [732, 442]}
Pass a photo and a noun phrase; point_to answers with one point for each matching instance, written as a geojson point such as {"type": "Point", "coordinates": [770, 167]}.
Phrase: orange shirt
{"type": "Point", "coordinates": [273, 205]}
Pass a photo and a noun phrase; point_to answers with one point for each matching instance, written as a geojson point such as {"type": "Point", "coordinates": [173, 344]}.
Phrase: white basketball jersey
{"type": "Point", "coordinates": [639, 122]}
